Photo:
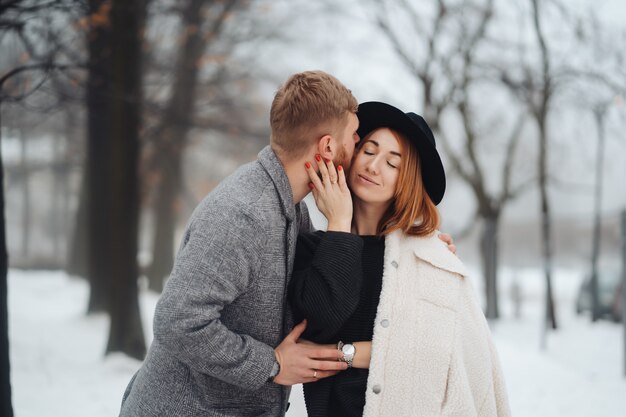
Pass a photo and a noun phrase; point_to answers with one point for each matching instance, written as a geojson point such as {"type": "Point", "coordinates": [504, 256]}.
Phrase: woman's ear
{"type": "Point", "coordinates": [326, 147]}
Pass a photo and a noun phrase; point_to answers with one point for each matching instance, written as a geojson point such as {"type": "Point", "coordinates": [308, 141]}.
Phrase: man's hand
{"type": "Point", "coordinates": [301, 362]}
{"type": "Point", "coordinates": [448, 240]}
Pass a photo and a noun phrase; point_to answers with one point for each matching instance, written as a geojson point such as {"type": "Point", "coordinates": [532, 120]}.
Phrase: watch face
{"type": "Point", "coordinates": [348, 350]}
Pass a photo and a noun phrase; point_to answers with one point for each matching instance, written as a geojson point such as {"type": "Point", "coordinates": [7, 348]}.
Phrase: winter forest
{"type": "Point", "coordinates": [117, 117]}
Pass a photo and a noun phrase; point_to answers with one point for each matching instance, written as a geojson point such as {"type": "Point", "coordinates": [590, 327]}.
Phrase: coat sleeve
{"type": "Point", "coordinates": [326, 282]}
{"type": "Point", "coordinates": [216, 262]}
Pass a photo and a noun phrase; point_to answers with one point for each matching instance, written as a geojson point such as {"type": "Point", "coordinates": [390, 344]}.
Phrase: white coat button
{"type": "Point", "coordinates": [394, 264]}
{"type": "Point", "coordinates": [377, 389]}
{"type": "Point", "coordinates": [384, 323]}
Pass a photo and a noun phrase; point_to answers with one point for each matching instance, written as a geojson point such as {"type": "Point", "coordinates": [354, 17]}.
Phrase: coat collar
{"type": "Point", "coordinates": [431, 249]}
{"type": "Point", "coordinates": [274, 168]}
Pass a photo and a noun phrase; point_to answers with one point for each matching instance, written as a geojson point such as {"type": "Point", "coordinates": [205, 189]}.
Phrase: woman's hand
{"type": "Point", "coordinates": [331, 194]}
{"type": "Point", "coordinates": [447, 239]}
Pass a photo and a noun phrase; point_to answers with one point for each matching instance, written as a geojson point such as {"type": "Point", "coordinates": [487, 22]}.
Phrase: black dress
{"type": "Point", "coordinates": [336, 285]}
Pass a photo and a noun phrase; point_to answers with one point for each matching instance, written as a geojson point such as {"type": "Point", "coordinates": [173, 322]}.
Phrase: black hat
{"type": "Point", "coordinates": [373, 115]}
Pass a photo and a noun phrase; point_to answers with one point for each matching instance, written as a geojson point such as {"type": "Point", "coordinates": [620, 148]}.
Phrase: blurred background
{"type": "Point", "coordinates": [118, 116]}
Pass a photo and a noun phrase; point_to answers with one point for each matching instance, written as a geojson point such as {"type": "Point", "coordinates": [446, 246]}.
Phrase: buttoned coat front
{"type": "Point", "coordinates": [432, 353]}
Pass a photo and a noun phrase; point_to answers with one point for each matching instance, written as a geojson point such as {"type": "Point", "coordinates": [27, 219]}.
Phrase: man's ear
{"type": "Point", "coordinates": [326, 147]}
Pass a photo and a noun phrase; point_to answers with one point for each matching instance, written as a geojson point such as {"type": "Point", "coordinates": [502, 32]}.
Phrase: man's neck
{"type": "Point", "coordinates": [298, 178]}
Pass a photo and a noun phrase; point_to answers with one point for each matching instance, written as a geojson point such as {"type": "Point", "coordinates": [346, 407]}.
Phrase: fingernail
{"type": "Point", "coordinates": [339, 168]}
{"type": "Point", "coordinates": [318, 158]}
{"type": "Point", "coordinates": [326, 160]}
{"type": "Point", "coordinates": [307, 165]}
{"type": "Point", "coordinates": [311, 186]}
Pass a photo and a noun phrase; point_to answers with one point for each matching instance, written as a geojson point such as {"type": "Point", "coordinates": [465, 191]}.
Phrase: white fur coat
{"type": "Point", "coordinates": [432, 353]}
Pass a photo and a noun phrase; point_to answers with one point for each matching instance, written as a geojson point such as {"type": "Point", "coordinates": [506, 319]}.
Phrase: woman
{"type": "Point", "coordinates": [382, 275]}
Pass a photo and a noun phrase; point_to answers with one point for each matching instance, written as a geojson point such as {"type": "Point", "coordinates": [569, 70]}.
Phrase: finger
{"type": "Point", "coordinates": [332, 172]}
{"type": "Point", "coordinates": [319, 375]}
{"type": "Point", "coordinates": [329, 365]}
{"type": "Point", "coordinates": [315, 179]}
{"type": "Point", "coordinates": [316, 196]}
{"type": "Point", "coordinates": [341, 178]}
{"type": "Point", "coordinates": [323, 169]}
{"type": "Point", "coordinates": [452, 249]}
{"type": "Point", "coordinates": [331, 353]}
{"type": "Point", "coordinates": [320, 365]}
{"type": "Point", "coordinates": [297, 331]}
{"type": "Point", "coordinates": [446, 238]}
{"type": "Point", "coordinates": [326, 374]}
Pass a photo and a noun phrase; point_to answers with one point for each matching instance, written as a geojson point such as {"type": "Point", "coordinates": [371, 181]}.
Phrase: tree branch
{"type": "Point", "coordinates": [508, 161]}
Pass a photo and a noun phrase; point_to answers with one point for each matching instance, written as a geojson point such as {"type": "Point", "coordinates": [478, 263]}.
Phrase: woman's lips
{"type": "Point", "coordinates": [367, 180]}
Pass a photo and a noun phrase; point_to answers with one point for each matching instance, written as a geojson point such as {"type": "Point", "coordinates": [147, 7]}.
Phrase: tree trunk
{"type": "Point", "coordinates": [489, 251]}
{"type": "Point", "coordinates": [6, 408]}
{"type": "Point", "coordinates": [595, 246]}
{"type": "Point", "coordinates": [97, 167]}
{"type": "Point", "coordinates": [26, 209]}
{"type": "Point", "coordinates": [126, 332]}
{"type": "Point", "coordinates": [166, 204]}
{"type": "Point", "coordinates": [78, 255]}
{"type": "Point", "coordinates": [66, 191]}
{"type": "Point", "coordinates": [541, 111]}
{"type": "Point", "coordinates": [172, 141]}
{"type": "Point", "coordinates": [57, 210]}
{"type": "Point", "coordinates": [546, 225]}
{"type": "Point", "coordinates": [76, 262]}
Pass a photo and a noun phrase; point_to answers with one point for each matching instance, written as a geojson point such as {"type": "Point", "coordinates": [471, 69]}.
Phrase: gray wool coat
{"type": "Point", "coordinates": [223, 309]}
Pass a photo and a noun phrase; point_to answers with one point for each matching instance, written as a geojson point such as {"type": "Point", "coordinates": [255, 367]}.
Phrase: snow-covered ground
{"type": "Point", "coordinates": [59, 367]}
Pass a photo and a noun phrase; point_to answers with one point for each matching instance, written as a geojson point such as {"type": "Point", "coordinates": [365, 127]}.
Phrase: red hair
{"type": "Point", "coordinates": [411, 210]}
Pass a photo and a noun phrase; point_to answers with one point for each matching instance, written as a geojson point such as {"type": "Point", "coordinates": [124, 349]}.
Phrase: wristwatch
{"type": "Point", "coordinates": [348, 351]}
{"type": "Point", "coordinates": [275, 371]}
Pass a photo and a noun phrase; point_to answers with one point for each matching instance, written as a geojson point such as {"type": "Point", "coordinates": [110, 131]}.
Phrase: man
{"type": "Point", "coordinates": [219, 344]}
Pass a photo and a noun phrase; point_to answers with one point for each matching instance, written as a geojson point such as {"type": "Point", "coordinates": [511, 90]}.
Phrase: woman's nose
{"type": "Point", "coordinates": [373, 166]}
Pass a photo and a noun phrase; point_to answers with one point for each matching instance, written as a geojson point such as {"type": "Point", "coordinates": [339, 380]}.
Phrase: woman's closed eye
{"type": "Point", "coordinates": [391, 165]}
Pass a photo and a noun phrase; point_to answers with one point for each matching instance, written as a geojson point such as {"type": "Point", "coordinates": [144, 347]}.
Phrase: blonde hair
{"type": "Point", "coordinates": [412, 209]}
{"type": "Point", "coordinates": [307, 106]}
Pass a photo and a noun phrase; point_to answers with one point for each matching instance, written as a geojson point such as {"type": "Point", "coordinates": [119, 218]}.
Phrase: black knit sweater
{"type": "Point", "coordinates": [336, 286]}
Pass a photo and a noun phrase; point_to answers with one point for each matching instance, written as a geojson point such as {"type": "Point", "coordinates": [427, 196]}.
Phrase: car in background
{"type": "Point", "coordinates": [609, 294]}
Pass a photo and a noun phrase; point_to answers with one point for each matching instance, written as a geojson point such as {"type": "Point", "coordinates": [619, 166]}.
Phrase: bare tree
{"type": "Point", "coordinates": [599, 113]}
{"type": "Point", "coordinates": [448, 72]}
{"type": "Point", "coordinates": [15, 88]}
{"type": "Point", "coordinates": [535, 89]}
{"type": "Point", "coordinates": [201, 23]}
{"type": "Point", "coordinates": [98, 163]}
{"type": "Point", "coordinates": [127, 20]}
{"type": "Point", "coordinates": [111, 199]}
{"type": "Point", "coordinates": [540, 110]}
{"type": "Point", "coordinates": [599, 94]}
{"type": "Point", "coordinates": [5, 374]}
{"type": "Point", "coordinates": [204, 97]}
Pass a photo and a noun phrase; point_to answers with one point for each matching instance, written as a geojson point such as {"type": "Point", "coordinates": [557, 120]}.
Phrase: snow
{"type": "Point", "coordinates": [59, 367]}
